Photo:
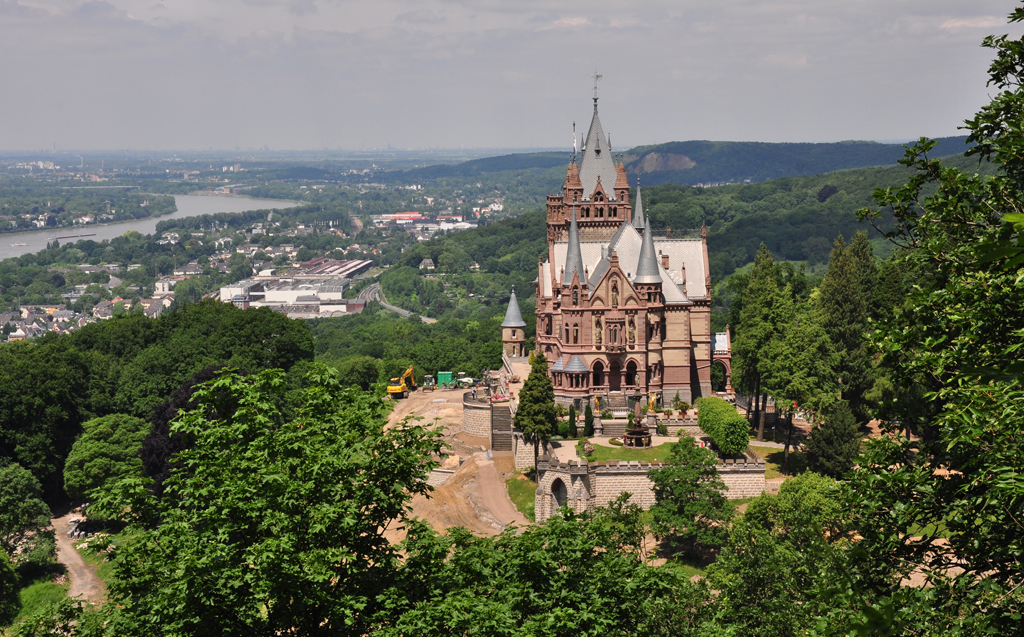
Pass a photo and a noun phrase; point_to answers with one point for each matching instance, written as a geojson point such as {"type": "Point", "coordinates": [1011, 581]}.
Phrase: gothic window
{"type": "Point", "coordinates": [548, 330]}
{"type": "Point", "coordinates": [575, 296]}
{"type": "Point", "coordinates": [574, 198]}
{"type": "Point", "coordinates": [575, 334]}
{"type": "Point", "coordinates": [513, 333]}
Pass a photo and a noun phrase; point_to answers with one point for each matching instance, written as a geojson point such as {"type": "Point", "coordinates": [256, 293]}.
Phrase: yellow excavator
{"type": "Point", "coordinates": [400, 386]}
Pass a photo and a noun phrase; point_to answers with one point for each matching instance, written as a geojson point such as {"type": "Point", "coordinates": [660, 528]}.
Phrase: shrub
{"type": "Point", "coordinates": [723, 424]}
{"type": "Point", "coordinates": [563, 428]}
{"type": "Point", "coordinates": [662, 429]}
{"type": "Point", "coordinates": [588, 422]}
{"type": "Point", "coordinates": [606, 414]}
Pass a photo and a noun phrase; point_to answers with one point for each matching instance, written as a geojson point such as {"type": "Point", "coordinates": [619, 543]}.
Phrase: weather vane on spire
{"type": "Point", "coordinates": [597, 78]}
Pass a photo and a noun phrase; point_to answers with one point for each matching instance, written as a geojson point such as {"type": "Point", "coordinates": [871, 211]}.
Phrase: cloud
{"type": "Point", "coordinates": [987, 22]}
{"type": "Point", "coordinates": [421, 16]}
{"type": "Point", "coordinates": [346, 73]}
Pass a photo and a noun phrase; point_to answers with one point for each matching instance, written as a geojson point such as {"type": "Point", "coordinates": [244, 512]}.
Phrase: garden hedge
{"type": "Point", "coordinates": [723, 424]}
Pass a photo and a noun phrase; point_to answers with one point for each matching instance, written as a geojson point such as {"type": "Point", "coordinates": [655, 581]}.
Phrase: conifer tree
{"type": "Point", "coordinates": [588, 422]}
{"type": "Point", "coordinates": [758, 326]}
{"type": "Point", "coordinates": [835, 443]}
{"type": "Point", "coordinates": [802, 362]}
{"type": "Point", "coordinates": [844, 307]}
{"type": "Point", "coordinates": [535, 415]}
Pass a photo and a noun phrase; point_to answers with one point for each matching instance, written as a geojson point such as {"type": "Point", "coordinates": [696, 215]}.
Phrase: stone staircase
{"type": "Point", "coordinates": [617, 404]}
{"type": "Point", "coordinates": [501, 427]}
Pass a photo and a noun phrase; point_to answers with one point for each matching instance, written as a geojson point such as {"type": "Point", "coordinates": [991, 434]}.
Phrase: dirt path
{"type": "Point", "coordinates": [493, 496]}
{"type": "Point", "coordinates": [84, 582]}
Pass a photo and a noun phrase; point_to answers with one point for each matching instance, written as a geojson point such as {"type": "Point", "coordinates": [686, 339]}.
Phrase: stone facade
{"type": "Point", "coordinates": [523, 451]}
{"type": "Point", "coordinates": [584, 486]}
{"type": "Point", "coordinates": [476, 417]}
{"type": "Point", "coordinates": [620, 311]}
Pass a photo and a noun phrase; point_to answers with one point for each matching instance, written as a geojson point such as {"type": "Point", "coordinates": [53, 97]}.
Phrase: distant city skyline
{"type": "Point", "coordinates": [295, 75]}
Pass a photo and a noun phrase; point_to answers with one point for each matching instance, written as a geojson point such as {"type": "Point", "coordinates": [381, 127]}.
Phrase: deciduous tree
{"type": "Point", "coordinates": [274, 524]}
{"type": "Point", "coordinates": [107, 449]}
{"type": "Point", "coordinates": [691, 511]}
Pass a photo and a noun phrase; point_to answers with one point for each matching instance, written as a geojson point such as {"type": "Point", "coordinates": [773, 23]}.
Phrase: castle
{"type": "Point", "coordinates": [622, 314]}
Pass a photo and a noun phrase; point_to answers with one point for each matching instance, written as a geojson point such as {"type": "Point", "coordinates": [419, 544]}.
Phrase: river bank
{"type": "Point", "coordinates": [15, 244]}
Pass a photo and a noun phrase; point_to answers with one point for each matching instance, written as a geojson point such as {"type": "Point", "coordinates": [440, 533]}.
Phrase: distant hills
{"type": "Point", "coordinates": [694, 162]}
{"type": "Point", "coordinates": [705, 162]}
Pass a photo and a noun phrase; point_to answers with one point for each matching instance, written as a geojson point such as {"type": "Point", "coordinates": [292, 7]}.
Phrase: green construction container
{"type": "Point", "coordinates": [444, 378]}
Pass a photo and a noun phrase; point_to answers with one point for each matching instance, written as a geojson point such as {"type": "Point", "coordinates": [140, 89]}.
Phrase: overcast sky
{"type": "Point", "coordinates": [346, 74]}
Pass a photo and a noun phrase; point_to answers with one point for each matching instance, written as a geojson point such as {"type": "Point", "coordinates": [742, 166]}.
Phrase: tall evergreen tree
{"type": "Point", "coordinates": [535, 415]}
{"type": "Point", "coordinates": [834, 443]}
{"type": "Point", "coordinates": [758, 326]}
{"type": "Point", "coordinates": [802, 362]}
{"type": "Point", "coordinates": [845, 310]}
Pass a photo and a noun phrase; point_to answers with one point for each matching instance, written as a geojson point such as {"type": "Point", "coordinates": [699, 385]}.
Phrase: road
{"type": "Point", "coordinates": [374, 293]}
{"type": "Point", "coordinates": [84, 582]}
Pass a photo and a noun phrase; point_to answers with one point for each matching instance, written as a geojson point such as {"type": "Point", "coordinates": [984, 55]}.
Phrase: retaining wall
{"type": "Point", "coordinates": [476, 417]}
{"type": "Point", "coordinates": [585, 486]}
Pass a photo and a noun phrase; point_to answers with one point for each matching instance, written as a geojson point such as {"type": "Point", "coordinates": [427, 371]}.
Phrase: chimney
{"type": "Point", "coordinates": [664, 261]}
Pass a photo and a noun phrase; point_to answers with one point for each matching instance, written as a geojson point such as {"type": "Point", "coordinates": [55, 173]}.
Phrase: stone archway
{"type": "Point", "coordinates": [631, 374]}
{"type": "Point", "coordinates": [725, 364]}
{"type": "Point", "coordinates": [615, 377]}
{"type": "Point", "coordinates": [598, 374]}
{"type": "Point", "coordinates": [559, 492]}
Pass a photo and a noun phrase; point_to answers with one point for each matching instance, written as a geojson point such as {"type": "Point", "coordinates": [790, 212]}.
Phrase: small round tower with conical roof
{"type": "Point", "coordinates": [513, 338]}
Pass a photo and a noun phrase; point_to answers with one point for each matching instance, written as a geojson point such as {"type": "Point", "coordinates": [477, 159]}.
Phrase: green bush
{"type": "Point", "coordinates": [563, 428]}
{"type": "Point", "coordinates": [588, 422]}
{"type": "Point", "coordinates": [723, 424]}
{"type": "Point", "coordinates": [662, 429]}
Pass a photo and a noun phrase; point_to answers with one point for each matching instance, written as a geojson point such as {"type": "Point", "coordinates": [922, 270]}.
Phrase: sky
{"type": "Point", "coordinates": [362, 74]}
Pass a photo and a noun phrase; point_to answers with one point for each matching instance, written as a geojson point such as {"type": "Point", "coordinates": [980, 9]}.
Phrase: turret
{"type": "Point", "coordinates": [573, 256]}
{"type": "Point", "coordinates": [638, 211]}
{"type": "Point", "coordinates": [512, 336]}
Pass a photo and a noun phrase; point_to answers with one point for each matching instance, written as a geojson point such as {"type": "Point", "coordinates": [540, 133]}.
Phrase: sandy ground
{"type": "Point", "coordinates": [475, 497]}
{"type": "Point", "coordinates": [84, 582]}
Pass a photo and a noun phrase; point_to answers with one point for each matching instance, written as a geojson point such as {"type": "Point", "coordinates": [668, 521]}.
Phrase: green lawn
{"type": "Point", "coordinates": [653, 454]}
{"type": "Point", "coordinates": [38, 594]}
{"type": "Point", "coordinates": [773, 459]}
{"type": "Point", "coordinates": [522, 492]}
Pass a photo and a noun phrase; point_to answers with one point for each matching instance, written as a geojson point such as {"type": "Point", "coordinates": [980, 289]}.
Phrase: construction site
{"type": "Point", "coordinates": [469, 486]}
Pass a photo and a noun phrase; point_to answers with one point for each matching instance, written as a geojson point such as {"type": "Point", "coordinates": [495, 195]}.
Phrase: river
{"type": "Point", "coordinates": [188, 206]}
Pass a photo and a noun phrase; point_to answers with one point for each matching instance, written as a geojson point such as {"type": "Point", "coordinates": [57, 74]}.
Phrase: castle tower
{"type": "Point", "coordinates": [513, 338]}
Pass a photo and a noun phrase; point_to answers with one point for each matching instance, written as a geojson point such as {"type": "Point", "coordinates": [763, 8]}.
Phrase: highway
{"type": "Point", "coordinates": [374, 293]}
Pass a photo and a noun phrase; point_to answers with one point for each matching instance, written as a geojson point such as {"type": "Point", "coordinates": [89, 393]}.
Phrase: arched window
{"type": "Point", "coordinates": [575, 333]}
{"type": "Point", "coordinates": [547, 331]}
{"type": "Point", "coordinates": [598, 374]}
{"type": "Point", "coordinates": [575, 296]}
{"type": "Point", "coordinates": [631, 373]}
{"type": "Point", "coordinates": [513, 333]}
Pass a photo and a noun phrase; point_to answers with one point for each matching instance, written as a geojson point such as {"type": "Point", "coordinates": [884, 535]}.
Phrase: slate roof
{"type": "Point", "coordinates": [576, 365]}
{"type": "Point", "coordinates": [597, 160]}
{"type": "Point", "coordinates": [638, 212]}
{"type": "Point", "coordinates": [648, 270]}
{"type": "Point", "coordinates": [513, 317]}
{"type": "Point", "coordinates": [558, 366]}
{"type": "Point", "coordinates": [574, 259]}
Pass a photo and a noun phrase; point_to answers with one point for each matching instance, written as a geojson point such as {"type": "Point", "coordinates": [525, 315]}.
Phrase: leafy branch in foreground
{"type": "Point", "coordinates": [269, 525]}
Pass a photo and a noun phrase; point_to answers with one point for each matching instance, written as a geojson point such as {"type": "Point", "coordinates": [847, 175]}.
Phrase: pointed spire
{"type": "Point", "coordinates": [513, 317]}
{"type": "Point", "coordinates": [638, 214]}
{"type": "Point", "coordinates": [573, 257]}
{"type": "Point", "coordinates": [647, 271]}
